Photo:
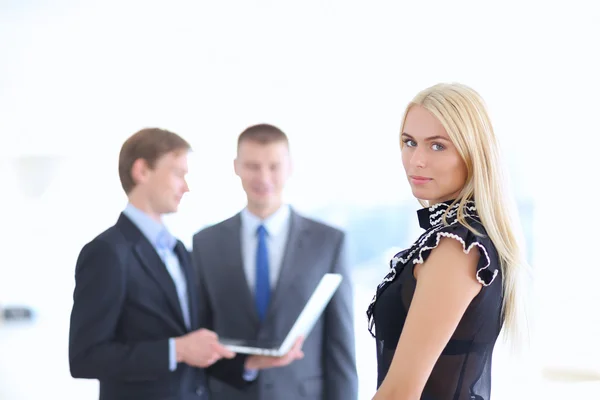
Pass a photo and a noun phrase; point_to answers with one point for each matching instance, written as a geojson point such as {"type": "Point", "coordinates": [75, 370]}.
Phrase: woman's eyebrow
{"type": "Point", "coordinates": [430, 138]}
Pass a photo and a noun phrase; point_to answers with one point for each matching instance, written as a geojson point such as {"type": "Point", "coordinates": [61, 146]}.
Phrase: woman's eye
{"type": "Point", "coordinates": [410, 142]}
{"type": "Point", "coordinates": [437, 147]}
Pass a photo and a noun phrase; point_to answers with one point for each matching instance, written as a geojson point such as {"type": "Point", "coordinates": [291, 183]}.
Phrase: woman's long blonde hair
{"type": "Point", "coordinates": [463, 114]}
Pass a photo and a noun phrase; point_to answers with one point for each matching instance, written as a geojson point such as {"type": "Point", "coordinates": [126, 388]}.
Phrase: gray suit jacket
{"type": "Point", "coordinates": [328, 369]}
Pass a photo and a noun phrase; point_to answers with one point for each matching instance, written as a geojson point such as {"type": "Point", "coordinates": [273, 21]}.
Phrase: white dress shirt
{"type": "Point", "coordinates": [277, 226]}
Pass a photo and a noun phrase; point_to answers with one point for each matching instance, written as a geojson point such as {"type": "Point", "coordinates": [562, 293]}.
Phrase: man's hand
{"type": "Point", "coordinates": [264, 362]}
{"type": "Point", "coordinates": [200, 348]}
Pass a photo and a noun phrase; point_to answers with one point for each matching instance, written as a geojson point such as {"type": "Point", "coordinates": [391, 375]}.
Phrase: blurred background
{"type": "Point", "coordinates": [77, 78]}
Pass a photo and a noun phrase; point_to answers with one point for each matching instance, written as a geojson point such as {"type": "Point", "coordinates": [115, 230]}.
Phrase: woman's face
{"type": "Point", "coordinates": [434, 168]}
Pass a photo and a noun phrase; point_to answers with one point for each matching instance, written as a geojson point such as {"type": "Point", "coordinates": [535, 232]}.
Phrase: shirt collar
{"type": "Point", "coordinates": [430, 217]}
{"type": "Point", "coordinates": [275, 224]}
{"type": "Point", "coordinates": [156, 233]}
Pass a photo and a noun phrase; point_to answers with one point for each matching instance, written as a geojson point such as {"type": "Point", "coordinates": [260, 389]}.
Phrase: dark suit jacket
{"type": "Point", "coordinates": [124, 312]}
{"type": "Point", "coordinates": [328, 369]}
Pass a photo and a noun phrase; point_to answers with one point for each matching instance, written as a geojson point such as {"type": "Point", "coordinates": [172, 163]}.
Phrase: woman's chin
{"type": "Point", "coordinates": [422, 194]}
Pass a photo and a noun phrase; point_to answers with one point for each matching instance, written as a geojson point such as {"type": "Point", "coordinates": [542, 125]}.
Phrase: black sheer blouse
{"type": "Point", "coordinates": [463, 370]}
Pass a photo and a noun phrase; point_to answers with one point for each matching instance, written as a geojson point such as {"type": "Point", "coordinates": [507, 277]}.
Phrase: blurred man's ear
{"type": "Point", "coordinates": [236, 166]}
{"type": "Point", "coordinates": [139, 170]}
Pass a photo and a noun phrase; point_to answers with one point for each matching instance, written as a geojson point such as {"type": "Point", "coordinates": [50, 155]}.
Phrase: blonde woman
{"type": "Point", "coordinates": [438, 313]}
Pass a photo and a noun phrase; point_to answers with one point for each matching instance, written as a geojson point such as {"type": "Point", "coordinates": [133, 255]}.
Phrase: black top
{"type": "Point", "coordinates": [463, 370]}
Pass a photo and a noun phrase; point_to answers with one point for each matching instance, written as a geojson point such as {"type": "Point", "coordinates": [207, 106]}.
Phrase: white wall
{"type": "Point", "coordinates": [77, 78]}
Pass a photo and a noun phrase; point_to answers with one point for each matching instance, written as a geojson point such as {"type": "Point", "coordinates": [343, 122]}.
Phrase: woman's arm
{"type": "Point", "coordinates": [446, 285]}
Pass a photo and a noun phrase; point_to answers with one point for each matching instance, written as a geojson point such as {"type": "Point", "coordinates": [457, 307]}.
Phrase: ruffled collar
{"type": "Point", "coordinates": [431, 217]}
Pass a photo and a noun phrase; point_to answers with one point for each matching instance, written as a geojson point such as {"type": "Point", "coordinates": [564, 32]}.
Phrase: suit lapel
{"type": "Point", "coordinates": [190, 277]}
{"type": "Point", "coordinates": [292, 261]}
{"type": "Point", "coordinates": [235, 273]}
{"type": "Point", "coordinates": [152, 263]}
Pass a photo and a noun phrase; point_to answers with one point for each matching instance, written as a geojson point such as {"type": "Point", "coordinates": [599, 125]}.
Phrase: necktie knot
{"type": "Point", "coordinates": [262, 231]}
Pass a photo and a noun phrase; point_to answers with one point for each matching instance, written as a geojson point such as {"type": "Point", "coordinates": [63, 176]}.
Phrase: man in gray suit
{"type": "Point", "coordinates": [258, 269]}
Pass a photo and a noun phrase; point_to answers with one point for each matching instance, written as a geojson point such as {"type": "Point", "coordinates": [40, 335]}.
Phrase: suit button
{"type": "Point", "coordinates": [199, 391]}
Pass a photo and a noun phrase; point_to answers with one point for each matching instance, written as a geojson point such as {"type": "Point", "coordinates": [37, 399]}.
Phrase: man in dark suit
{"type": "Point", "coordinates": [258, 269]}
{"type": "Point", "coordinates": [135, 322]}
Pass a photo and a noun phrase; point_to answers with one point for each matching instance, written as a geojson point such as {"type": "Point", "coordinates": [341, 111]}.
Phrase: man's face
{"type": "Point", "coordinates": [263, 170]}
{"type": "Point", "coordinates": [165, 184]}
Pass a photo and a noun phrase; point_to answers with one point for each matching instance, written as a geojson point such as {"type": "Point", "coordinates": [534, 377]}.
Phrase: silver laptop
{"type": "Point", "coordinates": [302, 327]}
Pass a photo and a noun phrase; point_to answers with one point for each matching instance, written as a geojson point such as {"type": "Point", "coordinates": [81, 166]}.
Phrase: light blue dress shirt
{"type": "Point", "coordinates": [278, 226]}
{"type": "Point", "coordinates": [164, 244]}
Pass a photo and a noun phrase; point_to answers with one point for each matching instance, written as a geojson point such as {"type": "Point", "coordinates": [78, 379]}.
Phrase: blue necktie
{"type": "Point", "coordinates": [263, 286]}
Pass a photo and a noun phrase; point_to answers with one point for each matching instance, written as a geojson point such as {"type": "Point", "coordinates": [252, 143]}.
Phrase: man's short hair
{"type": "Point", "coordinates": [149, 144]}
{"type": "Point", "coordinates": [263, 134]}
